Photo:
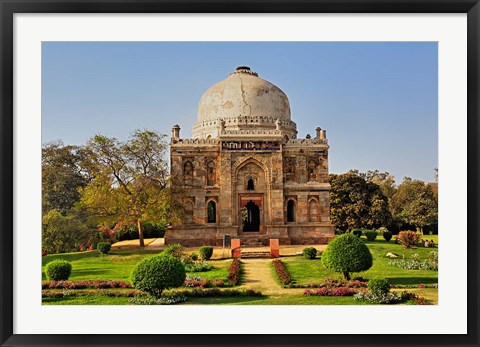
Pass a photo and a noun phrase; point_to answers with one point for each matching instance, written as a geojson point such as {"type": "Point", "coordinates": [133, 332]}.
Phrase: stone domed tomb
{"type": "Point", "coordinates": [244, 172]}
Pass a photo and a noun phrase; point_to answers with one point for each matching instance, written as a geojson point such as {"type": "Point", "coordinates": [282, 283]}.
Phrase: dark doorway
{"type": "Point", "coordinates": [251, 217]}
{"type": "Point", "coordinates": [211, 212]}
{"type": "Point", "coordinates": [250, 185]}
{"type": "Point", "coordinates": [291, 211]}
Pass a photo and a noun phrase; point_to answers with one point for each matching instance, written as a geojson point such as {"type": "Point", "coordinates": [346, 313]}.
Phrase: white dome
{"type": "Point", "coordinates": [242, 100]}
{"type": "Point", "coordinates": [243, 93]}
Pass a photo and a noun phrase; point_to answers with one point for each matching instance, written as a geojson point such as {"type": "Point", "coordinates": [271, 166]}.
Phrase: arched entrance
{"type": "Point", "coordinates": [251, 217]}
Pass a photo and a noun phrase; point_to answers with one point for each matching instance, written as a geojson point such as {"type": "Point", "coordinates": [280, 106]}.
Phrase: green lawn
{"type": "Point", "coordinates": [285, 299]}
{"type": "Point", "coordinates": [119, 263]}
{"type": "Point", "coordinates": [305, 271]}
{"type": "Point", "coordinates": [86, 300]}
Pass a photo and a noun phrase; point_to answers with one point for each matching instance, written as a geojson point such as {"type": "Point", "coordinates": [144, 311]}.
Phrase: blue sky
{"type": "Point", "coordinates": [377, 101]}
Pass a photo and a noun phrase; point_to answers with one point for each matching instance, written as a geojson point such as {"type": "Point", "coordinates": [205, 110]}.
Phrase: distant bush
{"type": "Point", "coordinates": [206, 252]}
{"type": "Point", "coordinates": [371, 235]}
{"type": "Point", "coordinates": [357, 232]}
{"type": "Point", "coordinates": [175, 250]}
{"type": "Point", "coordinates": [387, 235]}
{"type": "Point", "coordinates": [58, 270]}
{"type": "Point", "coordinates": [310, 252]}
{"type": "Point", "coordinates": [194, 256]}
{"type": "Point", "coordinates": [347, 253]}
{"type": "Point", "coordinates": [154, 274]}
{"type": "Point", "coordinates": [408, 238]}
{"type": "Point", "coordinates": [129, 230]}
{"type": "Point", "coordinates": [104, 247]}
{"type": "Point", "coordinates": [378, 286]}
{"type": "Point", "coordinates": [198, 267]}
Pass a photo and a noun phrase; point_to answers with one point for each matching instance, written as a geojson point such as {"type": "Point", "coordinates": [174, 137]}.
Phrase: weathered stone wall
{"type": "Point", "coordinates": [299, 171]}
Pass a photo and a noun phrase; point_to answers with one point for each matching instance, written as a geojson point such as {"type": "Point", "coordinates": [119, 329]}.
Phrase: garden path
{"type": "Point", "coordinates": [258, 275]}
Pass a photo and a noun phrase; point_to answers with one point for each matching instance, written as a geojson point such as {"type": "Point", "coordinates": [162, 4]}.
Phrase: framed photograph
{"type": "Point", "coordinates": [248, 173]}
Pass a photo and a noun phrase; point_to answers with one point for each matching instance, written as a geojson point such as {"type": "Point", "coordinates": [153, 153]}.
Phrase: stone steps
{"type": "Point", "coordinates": [254, 254]}
{"type": "Point", "coordinates": [251, 242]}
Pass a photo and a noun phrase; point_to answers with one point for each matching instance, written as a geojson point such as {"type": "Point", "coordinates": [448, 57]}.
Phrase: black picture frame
{"type": "Point", "coordinates": [10, 7]}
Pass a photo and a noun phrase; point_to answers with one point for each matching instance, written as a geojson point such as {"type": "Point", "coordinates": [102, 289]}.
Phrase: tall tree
{"type": "Point", "coordinates": [415, 203]}
{"type": "Point", "coordinates": [131, 180]}
{"type": "Point", "coordinates": [356, 203]}
{"type": "Point", "coordinates": [62, 176]}
{"type": "Point", "coordinates": [62, 233]}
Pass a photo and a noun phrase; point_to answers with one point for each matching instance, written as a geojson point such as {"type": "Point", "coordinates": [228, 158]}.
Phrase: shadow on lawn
{"type": "Point", "coordinates": [70, 256]}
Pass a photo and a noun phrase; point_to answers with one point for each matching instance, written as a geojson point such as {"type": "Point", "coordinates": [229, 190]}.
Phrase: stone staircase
{"type": "Point", "coordinates": [251, 242]}
{"type": "Point", "coordinates": [255, 254]}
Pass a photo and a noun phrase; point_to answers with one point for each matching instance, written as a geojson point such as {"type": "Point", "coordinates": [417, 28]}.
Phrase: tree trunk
{"type": "Point", "coordinates": [140, 233]}
{"type": "Point", "coordinates": [347, 276]}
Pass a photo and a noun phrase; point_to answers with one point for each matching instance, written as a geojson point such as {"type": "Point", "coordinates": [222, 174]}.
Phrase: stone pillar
{"type": "Point", "coordinates": [176, 132]}
{"type": "Point", "coordinates": [323, 134]}
{"type": "Point", "coordinates": [274, 248]}
{"type": "Point", "coordinates": [318, 130]}
{"type": "Point", "coordinates": [225, 182]}
{"type": "Point", "coordinates": [235, 247]}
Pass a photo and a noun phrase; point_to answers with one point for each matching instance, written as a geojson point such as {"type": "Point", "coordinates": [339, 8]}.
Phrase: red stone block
{"type": "Point", "coordinates": [235, 246]}
{"type": "Point", "coordinates": [274, 248]}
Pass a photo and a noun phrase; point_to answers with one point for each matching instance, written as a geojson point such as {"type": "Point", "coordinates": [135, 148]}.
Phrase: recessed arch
{"type": "Point", "coordinates": [211, 212]}
{"type": "Point", "coordinates": [291, 211]}
{"type": "Point", "coordinates": [313, 215]}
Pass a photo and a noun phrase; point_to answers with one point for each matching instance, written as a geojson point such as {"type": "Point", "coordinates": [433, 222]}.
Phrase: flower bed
{"type": "Point", "coordinates": [282, 272]}
{"type": "Point", "coordinates": [332, 283]}
{"type": "Point", "coordinates": [334, 287]}
{"type": "Point", "coordinates": [170, 300]}
{"type": "Point", "coordinates": [194, 282]}
{"type": "Point", "coordinates": [211, 292]}
{"type": "Point", "coordinates": [341, 291]}
{"type": "Point", "coordinates": [82, 284]}
{"type": "Point", "coordinates": [234, 272]}
{"type": "Point", "coordinates": [55, 293]}
{"type": "Point", "coordinates": [415, 263]}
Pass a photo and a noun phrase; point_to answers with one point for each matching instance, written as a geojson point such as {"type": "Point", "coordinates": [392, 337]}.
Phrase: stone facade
{"type": "Point", "coordinates": [248, 176]}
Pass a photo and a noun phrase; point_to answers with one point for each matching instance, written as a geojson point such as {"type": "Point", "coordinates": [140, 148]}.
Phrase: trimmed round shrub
{"type": "Point", "coordinates": [206, 252]}
{"type": "Point", "coordinates": [58, 270]}
{"type": "Point", "coordinates": [175, 250]}
{"type": "Point", "coordinates": [310, 252]}
{"type": "Point", "coordinates": [104, 247]}
{"type": "Point", "coordinates": [357, 232]}
{"type": "Point", "coordinates": [371, 235]}
{"type": "Point", "coordinates": [378, 286]}
{"type": "Point", "coordinates": [194, 256]}
{"type": "Point", "coordinates": [387, 235]}
{"type": "Point", "coordinates": [157, 273]}
{"type": "Point", "coordinates": [347, 253]}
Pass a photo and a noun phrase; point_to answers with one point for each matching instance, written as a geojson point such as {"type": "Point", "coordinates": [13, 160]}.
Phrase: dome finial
{"type": "Point", "coordinates": [242, 69]}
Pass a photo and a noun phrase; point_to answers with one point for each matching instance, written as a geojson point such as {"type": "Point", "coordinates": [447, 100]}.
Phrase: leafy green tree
{"type": "Point", "coordinates": [346, 254]}
{"type": "Point", "coordinates": [415, 202]}
{"type": "Point", "coordinates": [356, 203]}
{"type": "Point", "coordinates": [131, 180]}
{"type": "Point", "coordinates": [62, 176]}
{"type": "Point", "coordinates": [61, 233]}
